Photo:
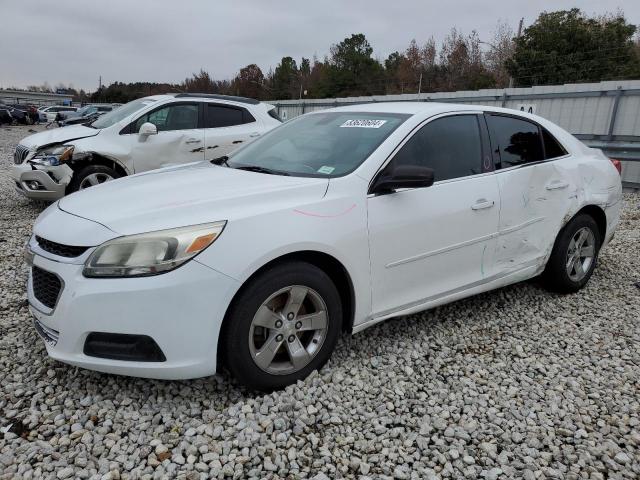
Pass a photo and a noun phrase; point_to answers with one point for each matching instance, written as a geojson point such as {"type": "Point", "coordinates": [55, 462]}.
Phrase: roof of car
{"type": "Point", "coordinates": [408, 107]}
{"type": "Point", "coordinates": [231, 98]}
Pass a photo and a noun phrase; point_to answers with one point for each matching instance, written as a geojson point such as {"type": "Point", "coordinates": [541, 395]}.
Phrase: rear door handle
{"type": "Point", "coordinates": [254, 134]}
{"type": "Point", "coordinates": [482, 204]}
{"type": "Point", "coordinates": [556, 185]}
{"type": "Point", "coordinates": [193, 140]}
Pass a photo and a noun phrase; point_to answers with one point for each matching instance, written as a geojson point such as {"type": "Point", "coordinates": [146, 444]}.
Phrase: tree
{"type": "Point", "coordinates": [352, 70]}
{"type": "Point", "coordinates": [566, 46]}
{"type": "Point", "coordinates": [250, 82]}
{"type": "Point", "coordinates": [461, 61]}
{"type": "Point", "coordinates": [501, 49]}
{"type": "Point", "coordinates": [200, 83]}
{"type": "Point", "coordinates": [285, 82]}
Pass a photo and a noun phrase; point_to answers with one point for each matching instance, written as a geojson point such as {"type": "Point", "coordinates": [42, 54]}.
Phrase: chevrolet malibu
{"type": "Point", "coordinates": [333, 222]}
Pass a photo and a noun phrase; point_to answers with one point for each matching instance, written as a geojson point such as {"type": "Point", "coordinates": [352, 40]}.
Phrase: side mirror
{"type": "Point", "coordinates": [403, 176]}
{"type": "Point", "coordinates": [147, 129]}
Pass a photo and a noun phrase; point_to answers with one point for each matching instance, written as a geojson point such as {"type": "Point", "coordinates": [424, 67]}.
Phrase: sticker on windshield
{"type": "Point", "coordinates": [363, 123]}
{"type": "Point", "coordinates": [325, 169]}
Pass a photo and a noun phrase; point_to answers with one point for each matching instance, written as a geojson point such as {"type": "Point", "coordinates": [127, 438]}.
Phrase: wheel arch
{"type": "Point", "coordinates": [597, 213]}
{"type": "Point", "coordinates": [93, 158]}
{"type": "Point", "coordinates": [327, 263]}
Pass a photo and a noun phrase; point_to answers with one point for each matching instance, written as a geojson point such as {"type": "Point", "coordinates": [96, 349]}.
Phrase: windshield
{"type": "Point", "coordinates": [329, 144]}
{"type": "Point", "coordinates": [122, 112]}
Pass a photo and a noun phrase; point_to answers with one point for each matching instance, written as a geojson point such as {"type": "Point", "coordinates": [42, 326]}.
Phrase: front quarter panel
{"type": "Point", "coordinates": [335, 225]}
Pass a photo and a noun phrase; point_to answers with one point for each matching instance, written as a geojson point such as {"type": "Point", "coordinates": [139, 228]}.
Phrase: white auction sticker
{"type": "Point", "coordinates": [362, 123]}
{"type": "Point", "coordinates": [325, 169]}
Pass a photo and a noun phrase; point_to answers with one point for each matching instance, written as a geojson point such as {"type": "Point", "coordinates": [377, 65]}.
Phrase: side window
{"type": "Point", "coordinates": [171, 117]}
{"type": "Point", "coordinates": [451, 146]}
{"type": "Point", "coordinates": [514, 141]}
{"type": "Point", "coordinates": [220, 116]}
{"type": "Point", "coordinates": [552, 149]}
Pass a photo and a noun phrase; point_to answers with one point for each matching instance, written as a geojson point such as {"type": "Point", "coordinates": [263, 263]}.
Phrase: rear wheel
{"type": "Point", "coordinates": [90, 176]}
{"type": "Point", "coordinates": [574, 255]}
{"type": "Point", "coordinates": [282, 326]}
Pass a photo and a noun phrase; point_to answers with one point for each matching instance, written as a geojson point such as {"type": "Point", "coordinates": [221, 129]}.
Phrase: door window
{"type": "Point", "coordinates": [222, 116]}
{"type": "Point", "coordinates": [171, 117]}
{"type": "Point", "coordinates": [451, 146]}
{"type": "Point", "coordinates": [514, 141]}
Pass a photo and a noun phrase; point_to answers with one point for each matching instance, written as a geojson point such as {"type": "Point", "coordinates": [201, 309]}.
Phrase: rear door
{"type": "Point", "coordinates": [534, 188]}
{"type": "Point", "coordinates": [426, 243]}
{"type": "Point", "coordinates": [227, 127]}
{"type": "Point", "coordinates": [180, 137]}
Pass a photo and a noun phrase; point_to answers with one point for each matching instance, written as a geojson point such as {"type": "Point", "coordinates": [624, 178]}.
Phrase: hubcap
{"type": "Point", "coordinates": [288, 330]}
{"type": "Point", "coordinates": [581, 254]}
{"type": "Point", "coordinates": [94, 179]}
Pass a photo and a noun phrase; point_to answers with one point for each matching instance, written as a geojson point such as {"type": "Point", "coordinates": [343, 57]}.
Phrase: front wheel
{"type": "Point", "coordinates": [574, 255]}
{"type": "Point", "coordinates": [90, 176]}
{"type": "Point", "coordinates": [283, 325]}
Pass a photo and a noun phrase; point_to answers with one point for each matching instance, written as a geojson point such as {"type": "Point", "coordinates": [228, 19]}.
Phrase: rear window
{"type": "Point", "coordinates": [552, 148]}
{"type": "Point", "coordinates": [218, 116]}
{"type": "Point", "coordinates": [273, 113]}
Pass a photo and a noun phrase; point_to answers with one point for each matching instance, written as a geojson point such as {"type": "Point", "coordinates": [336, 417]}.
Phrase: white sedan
{"type": "Point", "coordinates": [333, 222]}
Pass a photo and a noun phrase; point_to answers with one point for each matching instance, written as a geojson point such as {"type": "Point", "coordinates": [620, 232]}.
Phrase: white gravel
{"type": "Point", "coordinates": [517, 383]}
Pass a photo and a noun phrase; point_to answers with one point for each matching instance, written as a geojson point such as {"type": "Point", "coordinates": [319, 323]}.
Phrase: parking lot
{"type": "Point", "coordinates": [515, 383]}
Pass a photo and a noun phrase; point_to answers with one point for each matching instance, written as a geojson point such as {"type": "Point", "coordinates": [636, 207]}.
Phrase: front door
{"type": "Point", "coordinates": [430, 242]}
{"type": "Point", "coordinates": [179, 139]}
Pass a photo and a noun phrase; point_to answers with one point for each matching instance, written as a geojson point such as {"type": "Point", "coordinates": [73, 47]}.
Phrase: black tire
{"type": "Point", "coordinates": [555, 276]}
{"type": "Point", "coordinates": [79, 176]}
{"type": "Point", "coordinates": [234, 340]}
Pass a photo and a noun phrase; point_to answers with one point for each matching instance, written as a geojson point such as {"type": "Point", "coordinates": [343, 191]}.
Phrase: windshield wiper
{"type": "Point", "coordinates": [223, 160]}
{"type": "Point", "coordinates": [256, 168]}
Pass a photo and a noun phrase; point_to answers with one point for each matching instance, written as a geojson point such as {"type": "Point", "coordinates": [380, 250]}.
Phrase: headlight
{"type": "Point", "coordinates": [53, 156]}
{"type": "Point", "coordinates": [151, 253]}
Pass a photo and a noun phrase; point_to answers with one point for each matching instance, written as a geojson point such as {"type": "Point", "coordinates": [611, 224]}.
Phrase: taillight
{"type": "Point", "coordinates": [618, 164]}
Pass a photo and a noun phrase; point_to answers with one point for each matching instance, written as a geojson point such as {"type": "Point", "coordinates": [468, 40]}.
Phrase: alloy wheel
{"type": "Point", "coordinates": [94, 179]}
{"type": "Point", "coordinates": [288, 330]}
{"type": "Point", "coordinates": [581, 254]}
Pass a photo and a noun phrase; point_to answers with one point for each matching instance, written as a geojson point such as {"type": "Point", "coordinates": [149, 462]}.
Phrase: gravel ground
{"type": "Point", "coordinates": [517, 383]}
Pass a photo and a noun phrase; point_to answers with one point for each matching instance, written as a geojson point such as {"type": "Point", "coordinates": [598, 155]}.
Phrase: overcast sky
{"type": "Point", "coordinates": [166, 40]}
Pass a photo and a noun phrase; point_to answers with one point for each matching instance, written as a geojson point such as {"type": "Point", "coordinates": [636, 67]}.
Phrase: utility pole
{"type": "Point", "coordinates": [420, 84]}
{"type": "Point", "coordinates": [519, 33]}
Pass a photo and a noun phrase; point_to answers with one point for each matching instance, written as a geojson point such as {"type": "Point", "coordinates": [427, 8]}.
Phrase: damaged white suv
{"type": "Point", "coordinates": [144, 134]}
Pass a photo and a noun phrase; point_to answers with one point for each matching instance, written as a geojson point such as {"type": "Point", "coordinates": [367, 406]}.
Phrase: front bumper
{"type": "Point", "coordinates": [40, 182]}
{"type": "Point", "coordinates": [181, 311]}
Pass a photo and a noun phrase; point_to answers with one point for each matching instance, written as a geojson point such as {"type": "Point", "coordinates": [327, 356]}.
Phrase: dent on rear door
{"type": "Point", "coordinates": [535, 202]}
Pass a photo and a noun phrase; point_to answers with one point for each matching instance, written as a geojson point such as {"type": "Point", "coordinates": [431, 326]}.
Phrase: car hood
{"type": "Point", "coordinates": [189, 195]}
{"type": "Point", "coordinates": [58, 135]}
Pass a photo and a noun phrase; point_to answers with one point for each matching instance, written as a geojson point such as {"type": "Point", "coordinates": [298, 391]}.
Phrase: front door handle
{"type": "Point", "coordinates": [193, 140]}
{"type": "Point", "coordinates": [556, 185]}
{"type": "Point", "coordinates": [482, 204]}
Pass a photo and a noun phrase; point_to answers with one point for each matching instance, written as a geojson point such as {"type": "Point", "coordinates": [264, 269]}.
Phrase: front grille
{"type": "Point", "coordinates": [46, 286]}
{"type": "Point", "coordinates": [20, 154]}
{"type": "Point", "coordinates": [68, 251]}
{"type": "Point", "coordinates": [49, 335]}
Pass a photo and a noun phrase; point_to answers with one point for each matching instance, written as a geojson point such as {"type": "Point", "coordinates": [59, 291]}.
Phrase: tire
{"type": "Point", "coordinates": [84, 177]}
{"type": "Point", "coordinates": [559, 276]}
{"type": "Point", "coordinates": [243, 338]}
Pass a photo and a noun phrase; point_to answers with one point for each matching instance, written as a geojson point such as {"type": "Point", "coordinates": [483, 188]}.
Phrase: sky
{"type": "Point", "coordinates": [77, 41]}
